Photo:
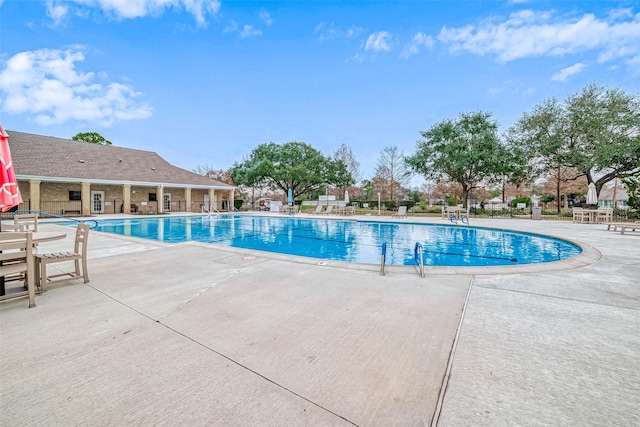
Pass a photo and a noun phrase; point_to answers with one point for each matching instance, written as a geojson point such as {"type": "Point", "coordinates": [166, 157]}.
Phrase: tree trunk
{"type": "Point", "coordinates": [558, 194]}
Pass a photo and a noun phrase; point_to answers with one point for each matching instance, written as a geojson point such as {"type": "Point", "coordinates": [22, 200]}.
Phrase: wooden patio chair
{"type": "Point", "coordinates": [604, 214]}
{"type": "Point", "coordinates": [29, 222]}
{"type": "Point", "coordinates": [16, 258]}
{"type": "Point", "coordinates": [579, 215]}
{"type": "Point", "coordinates": [79, 254]}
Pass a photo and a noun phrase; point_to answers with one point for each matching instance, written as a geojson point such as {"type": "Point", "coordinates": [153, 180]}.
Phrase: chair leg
{"type": "Point", "coordinates": [85, 274]}
{"type": "Point", "coordinates": [30, 281]}
{"type": "Point", "coordinates": [76, 264]}
{"type": "Point", "coordinates": [43, 275]}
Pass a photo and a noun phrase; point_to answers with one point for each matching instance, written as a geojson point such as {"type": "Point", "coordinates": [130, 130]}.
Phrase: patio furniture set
{"type": "Point", "coordinates": [20, 260]}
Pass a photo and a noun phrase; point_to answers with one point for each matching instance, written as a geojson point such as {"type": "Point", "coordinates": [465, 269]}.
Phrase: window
{"type": "Point", "coordinates": [75, 195]}
{"type": "Point", "coordinates": [152, 197]}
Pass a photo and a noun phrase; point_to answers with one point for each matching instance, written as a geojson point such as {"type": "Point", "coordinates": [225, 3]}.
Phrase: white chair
{"type": "Point", "coordinates": [328, 211]}
{"type": "Point", "coordinates": [579, 215]}
{"type": "Point", "coordinates": [604, 215]}
{"type": "Point", "coordinates": [402, 212]}
{"type": "Point", "coordinates": [78, 254]}
{"type": "Point", "coordinates": [16, 257]}
{"type": "Point", "coordinates": [319, 210]}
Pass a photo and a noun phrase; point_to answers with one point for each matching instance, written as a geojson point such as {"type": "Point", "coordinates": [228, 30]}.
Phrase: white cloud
{"type": "Point", "coordinates": [563, 74]}
{"type": "Point", "coordinates": [419, 40]}
{"type": "Point", "coordinates": [266, 17]}
{"type": "Point", "coordinates": [378, 42]}
{"type": "Point", "coordinates": [56, 11]}
{"type": "Point", "coordinates": [248, 31]}
{"type": "Point", "coordinates": [46, 84]}
{"type": "Point", "coordinates": [533, 34]}
{"type": "Point", "coordinates": [130, 9]}
{"type": "Point", "coordinates": [231, 27]}
{"type": "Point", "coordinates": [328, 31]}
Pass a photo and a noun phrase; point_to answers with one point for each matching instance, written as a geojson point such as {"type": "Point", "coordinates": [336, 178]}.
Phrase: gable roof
{"type": "Point", "coordinates": [64, 160]}
{"type": "Point", "coordinates": [607, 194]}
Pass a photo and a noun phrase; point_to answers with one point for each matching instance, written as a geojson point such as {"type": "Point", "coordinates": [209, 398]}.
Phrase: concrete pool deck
{"type": "Point", "coordinates": [198, 334]}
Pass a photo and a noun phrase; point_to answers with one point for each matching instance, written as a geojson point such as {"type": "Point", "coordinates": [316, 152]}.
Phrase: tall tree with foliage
{"type": "Point", "coordinates": [392, 172]}
{"type": "Point", "coordinates": [466, 151]}
{"type": "Point", "coordinates": [632, 181]}
{"type": "Point", "coordinates": [92, 138]}
{"type": "Point", "coordinates": [367, 187]}
{"type": "Point", "coordinates": [295, 166]}
{"type": "Point", "coordinates": [595, 131]}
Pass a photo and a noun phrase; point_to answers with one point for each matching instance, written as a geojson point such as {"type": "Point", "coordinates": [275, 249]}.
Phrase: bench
{"type": "Point", "coordinates": [624, 226]}
{"type": "Point", "coordinates": [71, 211]}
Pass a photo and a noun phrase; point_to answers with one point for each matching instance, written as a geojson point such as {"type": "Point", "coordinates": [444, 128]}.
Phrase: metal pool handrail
{"type": "Point", "coordinates": [95, 223]}
{"type": "Point", "coordinates": [382, 260]}
{"type": "Point", "coordinates": [418, 256]}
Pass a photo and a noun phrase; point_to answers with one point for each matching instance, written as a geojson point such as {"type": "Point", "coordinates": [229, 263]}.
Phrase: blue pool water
{"type": "Point", "coordinates": [353, 241]}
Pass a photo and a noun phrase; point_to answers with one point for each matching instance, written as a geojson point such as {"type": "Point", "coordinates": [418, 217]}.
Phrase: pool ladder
{"type": "Point", "coordinates": [210, 211]}
{"type": "Point", "coordinates": [418, 255]}
{"type": "Point", "coordinates": [382, 258]}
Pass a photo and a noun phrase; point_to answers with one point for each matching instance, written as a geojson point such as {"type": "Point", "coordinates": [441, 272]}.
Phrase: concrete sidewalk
{"type": "Point", "coordinates": [198, 334]}
{"type": "Point", "coordinates": [195, 334]}
{"type": "Point", "coordinates": [554, 348]}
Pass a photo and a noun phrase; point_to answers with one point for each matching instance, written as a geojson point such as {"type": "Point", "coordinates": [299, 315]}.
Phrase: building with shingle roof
{"type": "Point", "coordinates": [63, 176]}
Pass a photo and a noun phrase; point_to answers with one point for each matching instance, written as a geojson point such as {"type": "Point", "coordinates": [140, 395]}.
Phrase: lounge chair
{"type": "Point", "coordinates": [329, 210]}
{"type": "Point", "coordinates": [78, 254]}
{"type": "Point", "coordinates": [402, 212]}
{"type": "Point", "coordinates": [318, 211]}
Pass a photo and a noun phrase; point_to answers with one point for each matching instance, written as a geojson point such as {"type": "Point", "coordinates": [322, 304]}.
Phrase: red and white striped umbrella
{"type": "Point", "coordinates": [9, 193]}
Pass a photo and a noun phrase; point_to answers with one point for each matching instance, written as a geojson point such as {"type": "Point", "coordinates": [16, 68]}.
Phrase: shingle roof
{"type": "Point", "coordinates": [45, 157]}
{"type": "Point", "coordinates": [607, 194]}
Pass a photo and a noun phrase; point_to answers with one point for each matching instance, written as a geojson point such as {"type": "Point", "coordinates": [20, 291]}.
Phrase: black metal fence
{"type": "Point", "coordinates": [548, 213]}
{"type": "Point", "coordinates": [73, 208]}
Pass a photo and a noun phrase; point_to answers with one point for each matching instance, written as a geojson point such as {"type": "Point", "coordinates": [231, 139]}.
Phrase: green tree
{"type": "Point", "coordinates": [295, 166]}
{"type": "Point", "coordinates": [367, 188]}
{"type": "Point", "coordinates": [91, 137]}
{"type": "Point", "coordinates": [596, 131]}
{"type": "Point", "coordinates": [465, 151]}
{"type": "Point", "coordinates": [632, 181]}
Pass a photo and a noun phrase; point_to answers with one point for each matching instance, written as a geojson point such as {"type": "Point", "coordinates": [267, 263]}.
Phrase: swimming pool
{"type": "Point", "coordinates": [352, 241]}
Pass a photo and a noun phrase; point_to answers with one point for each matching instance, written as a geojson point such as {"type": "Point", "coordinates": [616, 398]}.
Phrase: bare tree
{"type": "Point", "coordinates": [392, 172]}
{"type": "Point", "coordinates": [217, 174]}
{"type": "Point", "coordinates": [345, 155]}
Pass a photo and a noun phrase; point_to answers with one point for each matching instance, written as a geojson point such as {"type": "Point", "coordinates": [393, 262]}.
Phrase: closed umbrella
{"type": "Point", "coordinates": [592, 196]}
{"type": "Point", "coordinates": [290, 197]}
{"type": "Point", "coordinates": [346, 197]}
{"type": "Point", "coordinates": [9, 191]}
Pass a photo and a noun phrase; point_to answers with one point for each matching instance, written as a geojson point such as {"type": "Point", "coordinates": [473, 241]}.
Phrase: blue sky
{"type": "Point", "coordinates": [206, 81]}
